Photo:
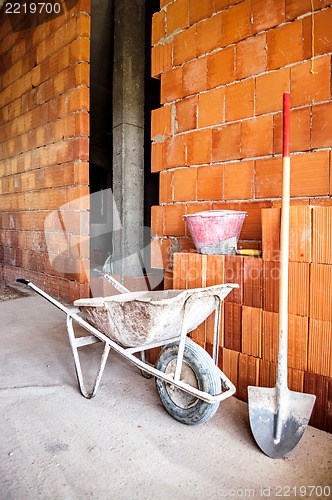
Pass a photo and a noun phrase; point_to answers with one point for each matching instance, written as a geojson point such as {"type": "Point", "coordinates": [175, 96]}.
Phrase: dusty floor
{"type": "Point", "coordinates": [122, 444]}
{"type": "Point", "coordinates": [9, 292]}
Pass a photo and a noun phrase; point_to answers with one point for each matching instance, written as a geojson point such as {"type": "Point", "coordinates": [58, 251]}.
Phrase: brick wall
{"type": "Point", "coordinates": [44, 148]}
{"type": "Point", "coordinates": [217, 137]}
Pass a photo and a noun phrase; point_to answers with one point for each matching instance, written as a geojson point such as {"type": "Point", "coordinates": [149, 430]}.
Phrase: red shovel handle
{"type": "Point", "coordinates": [286, 125]}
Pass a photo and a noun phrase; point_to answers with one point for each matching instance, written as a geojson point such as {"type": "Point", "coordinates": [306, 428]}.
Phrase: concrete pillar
{"type": "Point", "coordinates": [128, 134]}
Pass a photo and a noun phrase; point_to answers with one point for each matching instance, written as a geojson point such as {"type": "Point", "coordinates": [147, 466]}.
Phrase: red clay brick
{"type": "Point", "coordinates": [322, 235]}
{"type": "Point", "coordinates": [320, 292]}
{"type": "Point", "coordinates": [248, 375]}
{"type": "Point", "coordinates": [317, 87]}
{"type": "Point", "coordinates": [161, 59]}
{"type": "Point", "coordinates": [268, 178]}
{"type": "Point", "coordinates": [251, 57]}
{"type": "Point", "coordinates": [199, 147]}
{"type": "Point", "coordinates": [171, 85]}
{"type": "Point", "coordinates": [232, 326]}
{"type": "Point", "coordinates": [230, 364]}
{"type": "Point", "coordinates": [310, 174]}
{"type": "Point", "coordinates": [82, 74]}
{"type": "Point", "coordinates": [270, 336]}
{"type": "Point", "coordinates": [236, 23]}
{"type": "Point", "coordinates": [165, 187]}
{"type": "Point", "coordinates": [252, 281]}
{"type": "Point", "coordinates": [79, 99]}
{"type": "Point", "coordinates": [322, 33]}
{"type": "Point", "coordinates": [234, 274]}
{"type": "Point", "coordinates": [320, 347]}
{"type": "Point", "coordinates": [79, 50]}
{"type": "Point", "coordinates": [186, 111]}
{"type": "Point", "coordinates": [83, 20]}
{"type": "Point", "coordinates": [209, 34]}
{"type": "Point", "coordinates": [184, 46]}
{"type": "Point", "coordinates": [158, 27]}
{"type": "Point", "coordinates": [211, 108]}
{"type": "Point", "coordinates": [160, 253]}
{"type": "Point", "coordinates": [257, 136]}
{"type": "Point", "coordinates": [299, 130]}
{"type": "Point", "coordinates": [157, 156]}
{"type": "Point", "coordinates": [195, 76]}
{"type": "Point", "coordinates": [176, 152]}
{"type": "Point", "coordinates": [177, 16]}
{"type": "Point", "coordinates": [298, 298]}
{"type": "Point", "coordinates": [226, 142]}
{"type": "Point", "coordinates": [240, 100]}
{"type": "Point", "coordinates": [252, 331]}
{"type": "Point", "coordinates": [295, 8]}
{"type": "Point", "coordinates": [322, 125]}
{"type": "Point", "coordinates": [297, 342]}
{"type": "Point", "coordinates": [271, 234]}
{"type": "Point", "coordinates": [267, 14]}
{"type": "Point", "coordinates": [199, 10]}
{"type": "Point", "coordinates": [239, 180]}
{"type": "Point", "coordinates": [81, 173]}
{"type": "Point", "coordinates": [280, 51]}
{"type": "Point", "coordinates": [185, 184]}
{"type": "Point", "coordinates": [210, 182]}
{"type": "Point", "coordinates": [220, 68]}
{"type": "Point", "coordinates": [174, 223]}
{"type": "Point", "coordinates": [300, 233]}
{"type": "Point", "coordinates": [269, 90]}
{"type": "Point", "coordinates": [161, 123]}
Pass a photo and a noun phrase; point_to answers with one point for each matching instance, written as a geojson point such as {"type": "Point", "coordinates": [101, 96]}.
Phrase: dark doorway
{"type": "Point", "coordinates": [152, 101]}
{"type": "Point", "coordinates": [102, 112]}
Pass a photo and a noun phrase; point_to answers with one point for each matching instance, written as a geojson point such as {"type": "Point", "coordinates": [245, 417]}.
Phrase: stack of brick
{"type": "Point", "coordinates": [217, 137]}
{"type": "Point", "coordinates": [44, 149]}
{"type": "Point", "coordinates": [249, 327]}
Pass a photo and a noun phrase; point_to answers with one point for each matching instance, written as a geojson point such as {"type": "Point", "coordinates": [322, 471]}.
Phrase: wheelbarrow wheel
{"type": "Point", "coordinates": [198, 370]}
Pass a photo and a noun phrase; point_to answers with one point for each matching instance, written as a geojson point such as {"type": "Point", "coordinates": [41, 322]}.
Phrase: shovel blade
{"type": "Point", "coordinates": [295, 411]}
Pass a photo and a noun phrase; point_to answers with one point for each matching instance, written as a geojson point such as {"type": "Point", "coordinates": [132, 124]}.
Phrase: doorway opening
{"type": "Point", "coordinates": [120, 116]}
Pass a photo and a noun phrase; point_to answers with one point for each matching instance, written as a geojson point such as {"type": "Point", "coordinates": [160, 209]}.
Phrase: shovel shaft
{"type": "Point", "coordinates": [283, 283]}
{"type": "Point", "coordinates": [281, 383]}
{"type": "Point", "coordinates": [284, 249]}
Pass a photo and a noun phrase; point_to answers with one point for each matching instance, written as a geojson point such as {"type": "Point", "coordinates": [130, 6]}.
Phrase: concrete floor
{"type": "Point", "coordinates": [122, 444]}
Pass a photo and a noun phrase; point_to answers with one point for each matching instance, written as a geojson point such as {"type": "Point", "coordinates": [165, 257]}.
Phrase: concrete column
{"type": "Point", "coordinates": [128, 133]}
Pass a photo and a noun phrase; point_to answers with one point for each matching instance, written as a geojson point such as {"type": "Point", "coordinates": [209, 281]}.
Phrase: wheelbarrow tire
{"type": "Point", "coordinates": [198, 369]}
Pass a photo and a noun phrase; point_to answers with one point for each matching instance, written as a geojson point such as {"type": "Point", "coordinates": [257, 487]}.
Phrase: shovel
{"type": "Point", "coordinates": [279, 416]}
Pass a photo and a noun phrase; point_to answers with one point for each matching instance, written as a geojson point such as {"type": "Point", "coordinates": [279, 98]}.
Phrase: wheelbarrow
{"type": "Point", "coordinates": [188, 380]}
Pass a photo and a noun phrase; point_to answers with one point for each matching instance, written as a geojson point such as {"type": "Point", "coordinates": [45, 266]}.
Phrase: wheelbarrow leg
{"type": "Point", "coordinates": [216, 331]}
{"type": "Point", "coordinates": [75, 343]}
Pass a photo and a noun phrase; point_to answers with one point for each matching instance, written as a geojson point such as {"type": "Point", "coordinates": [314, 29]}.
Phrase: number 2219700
{"type": "Point", "coordinates": [303, 491]}
{"type": "Point", "coordinates": [33, 8]}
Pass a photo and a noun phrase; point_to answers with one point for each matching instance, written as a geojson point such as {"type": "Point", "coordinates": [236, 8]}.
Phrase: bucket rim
{"type": "Point", "coordinates": [213, 213]}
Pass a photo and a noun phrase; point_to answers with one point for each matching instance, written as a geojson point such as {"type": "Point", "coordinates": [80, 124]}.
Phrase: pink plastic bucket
{"type": "Point", "coordinates": [216, 231]}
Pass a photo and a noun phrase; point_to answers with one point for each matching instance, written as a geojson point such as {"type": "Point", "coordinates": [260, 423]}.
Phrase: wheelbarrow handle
{"type": "Point", "coordinates": [22, 280]}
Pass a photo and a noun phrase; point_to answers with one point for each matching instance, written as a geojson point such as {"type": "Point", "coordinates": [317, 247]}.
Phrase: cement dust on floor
{"type": "Point", "coordinates": [122, 444]}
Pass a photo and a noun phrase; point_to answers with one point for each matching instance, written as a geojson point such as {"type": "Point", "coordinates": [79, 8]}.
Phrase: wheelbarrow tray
{"type": "Point", "coordinates": [140, 318]}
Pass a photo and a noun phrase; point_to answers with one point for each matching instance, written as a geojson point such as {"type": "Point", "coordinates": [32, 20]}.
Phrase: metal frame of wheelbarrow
{"type": "Point", "coordinates": [129, 352]}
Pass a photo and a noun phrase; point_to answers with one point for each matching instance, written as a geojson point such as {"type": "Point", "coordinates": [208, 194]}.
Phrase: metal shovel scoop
{"type": "Point", "coordinates": [279, 416]}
